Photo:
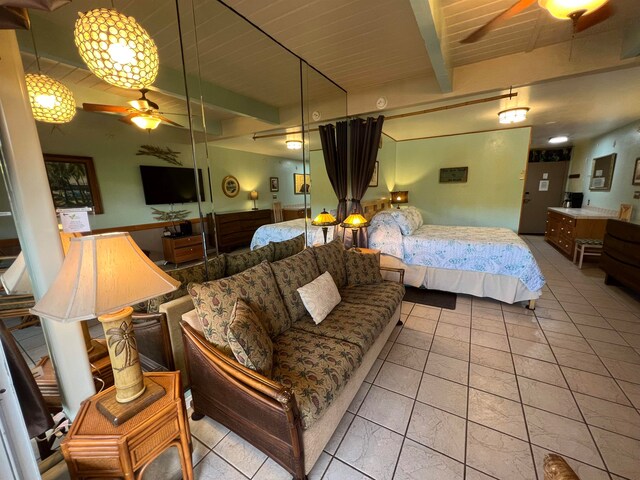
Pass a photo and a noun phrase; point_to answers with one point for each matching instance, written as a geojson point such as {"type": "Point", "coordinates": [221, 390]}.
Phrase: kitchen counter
{"type": "Point", "coordinates": [582, 213]}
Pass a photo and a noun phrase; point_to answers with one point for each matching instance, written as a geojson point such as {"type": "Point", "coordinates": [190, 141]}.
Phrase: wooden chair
{"type": "Point", "coordinates": [277, 212]}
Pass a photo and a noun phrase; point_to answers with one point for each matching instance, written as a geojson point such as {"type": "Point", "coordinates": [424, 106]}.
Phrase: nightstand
{"type": "Point", "coordinates": [96, 448]}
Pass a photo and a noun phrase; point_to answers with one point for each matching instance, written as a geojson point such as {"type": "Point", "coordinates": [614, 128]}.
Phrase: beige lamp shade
{"type": "Point", "coordinates": [324, 219]}
{"type": "Point", "coordinates": [253, 195]}
{"type": "Point", "coordinates": [355, 220]}
{"type": "Point", "coordinates": [16, 279]}
{"type": "Point", "coordinates": [102, 274]}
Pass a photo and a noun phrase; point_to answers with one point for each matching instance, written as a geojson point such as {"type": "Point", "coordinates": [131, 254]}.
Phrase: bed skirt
{"type": "Point", "coordinates": [479, 284]}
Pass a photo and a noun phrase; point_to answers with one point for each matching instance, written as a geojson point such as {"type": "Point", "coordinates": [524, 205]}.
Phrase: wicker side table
{"type": "Point", "coordinates": [95, 448]}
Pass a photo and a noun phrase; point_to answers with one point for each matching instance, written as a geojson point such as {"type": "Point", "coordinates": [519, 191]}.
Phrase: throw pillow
{"type": "Point", "coordinates": [330, 258]}
{"type": "Point", "coordinates": [291, 274]}
{"type": "Point", "coordinates": [248, 339]}
{"type": "Point", "coordinates": [409, 219]}
{"type": "Point", "coordinates": [241, 261]}
{"type": "Point", "coordinates": [287, 248]}
{"type": "Point", "coordinates": [320, 296]}
{"type": "Point", "coordinates": [362, 268]}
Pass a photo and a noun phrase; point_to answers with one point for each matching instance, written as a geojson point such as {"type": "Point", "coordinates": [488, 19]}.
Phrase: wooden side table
{"type": "Point", "coordinates": [95, 448]}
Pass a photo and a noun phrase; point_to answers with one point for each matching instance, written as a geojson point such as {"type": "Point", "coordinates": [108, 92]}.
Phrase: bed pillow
{"type": "Point", "coordinates": [362, 268]}
{"type": "Point", "coordinates": [248, 339]}
{"type": "Point", "coordinates": [287, 248]}
{"type": "Point", "coordinates": [320, 297]}
{"type": "Point", "coordinates": [409, 219]}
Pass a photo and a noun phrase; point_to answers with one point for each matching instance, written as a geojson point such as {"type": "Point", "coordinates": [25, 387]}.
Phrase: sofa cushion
{"type": "Point", "coordinates": [214, 302]}
{"type": "Point", "coordinates": [287, 248]}
{"type": "Point", "coordinates": [249, 340]}
{"type": "Point", "coordinates": [186, 275]}
{"type": "Point", "coordinates": [316, 369]}
{"type": "Point", "coordinates": [362, 268]}
{"type": "Point", "coordinates": [330, 258]}
{"type": "Point", "coordinates": [320, 297]}
{"type": "Point", "coordinates": [291, 274]}
{"type": "Point", "coordinates": [357, 324]}
{"type": "Point", "coordinates": [239, 262]}
{"type": "Point", "coordinates": [217, 267]}
{"type": "Point", "coordinates": [386, 294]}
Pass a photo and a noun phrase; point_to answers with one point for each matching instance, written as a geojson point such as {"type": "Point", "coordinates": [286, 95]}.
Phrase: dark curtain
{"type": "Point", "coordinates": [334, 149]}
{"type": "Point", "coordinates": [365, 140]}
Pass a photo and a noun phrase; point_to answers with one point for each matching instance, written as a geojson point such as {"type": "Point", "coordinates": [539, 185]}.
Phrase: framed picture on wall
{"type": "Point", "coordinates": [230, 186]}
{"type": "Point", "coordinates": [374, 178]}
{"type": "Point", "coordinates": [636, 172]}
{"type": "Point", "coordinates": [301, 183]}
{"type": "Point", "coordinates": [73, 182]}
{"type": "Point", "coordinates": [274, 184]}
{"type": "Point", "coordinates": [602, 173]}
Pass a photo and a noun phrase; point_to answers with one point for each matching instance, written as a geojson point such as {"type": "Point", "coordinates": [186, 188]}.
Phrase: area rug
{"type": "Point", "coordinates": [434, 298]}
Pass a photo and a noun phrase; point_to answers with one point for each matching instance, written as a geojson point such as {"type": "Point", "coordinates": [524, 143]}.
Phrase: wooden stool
{"type": "Point", "coordinates": [96, 448]}
{"type": "Point", "coordinates": [587, 247]}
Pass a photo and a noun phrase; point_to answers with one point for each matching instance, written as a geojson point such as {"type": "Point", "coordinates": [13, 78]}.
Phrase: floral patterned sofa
{"type": "Point", "coordinates": [317, 369]}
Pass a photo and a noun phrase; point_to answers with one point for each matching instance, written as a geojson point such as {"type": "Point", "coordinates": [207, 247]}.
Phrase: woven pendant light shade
{"type": "Point", "coordinates": [51, 101]}
{"type": "Point", "coordinates": [116, 48]}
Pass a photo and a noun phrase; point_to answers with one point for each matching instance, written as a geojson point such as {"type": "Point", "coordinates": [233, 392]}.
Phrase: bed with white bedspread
{"type": "Point", "coordinates": [480, 261]}
{"type": "Point", "coordinates": [277, 232]}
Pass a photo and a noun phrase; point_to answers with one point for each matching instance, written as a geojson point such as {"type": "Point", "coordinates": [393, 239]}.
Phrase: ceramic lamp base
{"type": "Point", "coordinates": [118, 413]}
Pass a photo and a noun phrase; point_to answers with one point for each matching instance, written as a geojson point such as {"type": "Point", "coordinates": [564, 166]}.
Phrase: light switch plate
{"type": "Point", "coordinates": [636, 195]}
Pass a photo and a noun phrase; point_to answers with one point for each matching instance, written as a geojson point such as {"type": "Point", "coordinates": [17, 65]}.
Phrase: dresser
{"type": "Point", "coordinates": [621, 254]}
{"type": "Point", "coordinates": [236, 229]}
{"type": "Point", "coordinates": [291, 213]}
{"type": "Point", "coordinates": [182, 249]}
{"type": "Point", "coordinates": [565, 225]}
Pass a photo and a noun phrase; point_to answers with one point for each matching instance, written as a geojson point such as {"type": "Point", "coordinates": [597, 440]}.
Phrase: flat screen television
{"type": "Point", "coordinates": [170, 185]}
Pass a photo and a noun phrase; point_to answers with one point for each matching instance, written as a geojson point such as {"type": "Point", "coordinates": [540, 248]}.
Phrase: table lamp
{"type": "Point", "coordinates": [324, 220]}
{"type": "Point", "coordinates": [15, 279]}
{"type": "Point", "coordinates": [254, 196]}
{"type": "Point", "coordinates": [100, 277]}
{"type": "Point", "coordinates": [399, 197]}
{"type": "Point", "coordinates": [355, 221]}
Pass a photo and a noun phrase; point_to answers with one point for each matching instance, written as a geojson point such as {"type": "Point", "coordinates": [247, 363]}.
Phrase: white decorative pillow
{"type": "Point", "coordinates": [320, 297]}
{"type": "Point", "coordinates": [409, 219]}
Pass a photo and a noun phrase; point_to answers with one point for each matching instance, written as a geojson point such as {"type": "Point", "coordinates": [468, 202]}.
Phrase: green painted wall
{"type": "Point", "coordinates": [625, 142]}
{"type": "Point", "coordinates": [492, 195]}
{"type": "Point", "coordinates": [386, 170]}
{"type": "Point", "coordinates": [322, 195]}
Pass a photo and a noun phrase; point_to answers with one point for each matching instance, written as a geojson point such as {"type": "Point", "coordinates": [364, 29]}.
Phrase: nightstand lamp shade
{"type": "Point", "coordinates": [399, 197]}
{"type": "Point", "coordinates": [324, 220]}
{"type": "Point", "coordinates": [15, 279]}
{"type": "Point", "coordinates": [253, 195]}
{"type": "Point", "coordinates": [100, 277]}
{"type": "Point", "coordinates": [355, 221]}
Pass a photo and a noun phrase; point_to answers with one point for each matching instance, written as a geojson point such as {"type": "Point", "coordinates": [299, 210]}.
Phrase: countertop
{"type": "Point", "coordinates": [586, 213]}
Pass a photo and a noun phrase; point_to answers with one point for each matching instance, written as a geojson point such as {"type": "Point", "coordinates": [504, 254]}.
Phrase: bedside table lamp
{"type": "Point", "coordinates": [324, 220]}
{"type": "Point", "coordinates": [100, 277]}
{"type": "Point", "coordinates": [355, 221]}
{"type": "Point", "coordinates": [254, 196]}
{"type": "Point", "coordinates": [399, 197]}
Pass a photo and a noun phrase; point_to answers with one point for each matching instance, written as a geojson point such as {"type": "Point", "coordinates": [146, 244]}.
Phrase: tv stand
{"type": "Point", "coordinates": [182, 249]}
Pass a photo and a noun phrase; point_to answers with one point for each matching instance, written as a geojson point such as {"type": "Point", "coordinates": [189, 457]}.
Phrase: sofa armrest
{"type": "Point", "coordinates": [399, 271]}
{"type": "Point", "coordinates": [173, 311]}
{"type": "Point", "coordinates": [258, 409]}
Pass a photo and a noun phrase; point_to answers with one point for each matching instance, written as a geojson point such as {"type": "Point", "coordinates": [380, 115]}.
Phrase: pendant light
{"type": "Point", "coordinates": [51, 101]}
{"type": "Point", "coordinates": [116, 48]}
{"type": "Point", "coordinates": [566, 9]}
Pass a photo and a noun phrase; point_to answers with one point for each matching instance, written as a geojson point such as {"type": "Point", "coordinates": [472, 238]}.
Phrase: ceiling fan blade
{"type": "Point", "coordinates": [491, 24]}
{"type": "Point", "coordinates": [127, 119]}
{"type": "Point", "coordinates": [588, 21]}
{"type": "Point", "coordinates": [96, 107]}
{"type": "Point", "coordinates": [166, 120]}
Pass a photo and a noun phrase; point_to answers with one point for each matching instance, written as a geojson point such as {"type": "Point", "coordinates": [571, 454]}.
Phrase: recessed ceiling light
{"type": "Point", "coordinates": [559, 139]}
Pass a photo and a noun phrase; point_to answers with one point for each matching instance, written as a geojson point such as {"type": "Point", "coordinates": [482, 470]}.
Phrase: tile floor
{"type": "Point", "coordinates": [481, 392]}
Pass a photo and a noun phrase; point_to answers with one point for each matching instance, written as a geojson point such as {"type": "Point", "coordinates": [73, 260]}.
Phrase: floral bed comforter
{"type": "Point", "coordinates": [276, 232]}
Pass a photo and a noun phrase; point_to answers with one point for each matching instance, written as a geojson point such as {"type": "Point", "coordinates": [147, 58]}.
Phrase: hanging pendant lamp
{"type": "Point", "coordinates": [51, 101]}
{"type": "Point", "coordinates": [116, 48]}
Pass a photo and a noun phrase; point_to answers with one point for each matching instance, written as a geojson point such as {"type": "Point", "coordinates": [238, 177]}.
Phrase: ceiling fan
{"type": "Point", "coordinates": [142, 112]}
{"type": "Point", "coordinates": [583, 13]}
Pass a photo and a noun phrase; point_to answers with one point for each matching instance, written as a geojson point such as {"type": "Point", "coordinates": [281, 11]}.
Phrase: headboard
{"type": "Point", "coordinates": [371, 207]}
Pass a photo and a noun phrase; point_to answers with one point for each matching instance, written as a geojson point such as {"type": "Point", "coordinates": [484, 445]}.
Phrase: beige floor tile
{"type": "Point", "coordinates": [569, 342]}
{"type": "Point", "coordinates": [212, 467]}
{"type": "Point", "coordinates": [562, 435]}
{"type": "Point", "coordinates": [601, 334]}
{"type": "Point", "coordinates": [489, 325]}
{"type": "Point", "coordinates": [416, 339]}
{"type": "Point", "coordinates": [406, 356]}
{"type": "Point", "coordinates": [241, 454]}
{"type": "Point", "coordinates": [472, 474]}
{"type": "Point", "coordinates": [443, 394]}
{"type": "Point", "coordinates": [581, 361]}
{"type": "Point", "coordinates": [385, 350]}
{"type": "Point", "coordinates": [420, 324]}
{"type": "Point", "coordinates": [424, 311]}
{"type": "Point", "coordinates": [494, 381]}
{"type": "Point", "coordinates": [340, 471]}
{"type": "Point", "coordinates": [208, 431]}
{"type": "Point", "coordinates": [373, 372]}
{"type": "Point", "coordinates": [490, 357]}
{"type": "Point", "coordinates": [610, 416]}
{"type": "Point", "coordinates": [594, 385]}
{"type": "Point", "coordinates": [488, 313]}
{"type": "Point", "coordinates": [615, 313]}
{"type": "Point", "coordinates": [548, 303]}
{"type": "Point", "coordinates": [399, 379]}
{"type": "Point", "coordinates": [591, 320]}
{"type": "Point", "coordinates": [558, 326]}
{"type": "Point", "coordinates": [531, 349]}
{"type": "Point", "coordinates": [450, 348]}
{"type": "Point", "coordinates": [454, 318]}
{"type": "Point", "coordinates": [552, 314]}
{"type": "Point", "coordinates": [632, 390]}
{"type": "Point", "coordinates": [526, 320]}
{"type": "Point", "coordinates": [318, 469]}
{"type": "Point", "coordinates": [548, 397]}
{"type": "Point", "coordinates": [167, 466]}
{"type": "Point", "coordinates": [270, 470]}
{"type": "Point", "coordinates": [497, 413]}
{"type": "Point", "coordinates": [526, 333]}
{"type": "Point", "coordinates": [406, 307]}
{"type": "Point", "coordinates": [339, 433]}
{"type": "Point", "coordinates": [359, 398]}
{"type": "Point", "coordinates": [539, 370]}
{"type": "Point", "coordinates": [632, 339]}
{"type": "Point", "coordinates": [621, 454]}
{"type": "Point", "coordinates": [454, 332]}
{"type": "Point", "coordinates": [584, 471]}
{"type": "Point", "coordinates": [489, 340]}
{"type": "Point", "coordinates": [418, 463]}
{"type": "Point", "coordinates": [438, 430]}
{"type": "Point", "coordinates": [370, 448]}
{"type": "Point", "coordinates": [487, 303]}
{"type": "Point", "coordinates": [448, 367]}
{"type": "Point", "coordinates": [582, 307]}
{"type": "Point", "coordinates": [389, 409]}
{"type": "Point", "coordinates": [629, 372]}
{"type": "Point", "coordinates": [498, 454]}
{"type": "Point", "coordinates": [617, 352]}
{"type": "Point", "coordinates": [625, 326]}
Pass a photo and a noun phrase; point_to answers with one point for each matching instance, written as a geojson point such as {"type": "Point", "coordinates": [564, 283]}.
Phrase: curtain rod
{"type": "Point", "coordinates": [509, 95]}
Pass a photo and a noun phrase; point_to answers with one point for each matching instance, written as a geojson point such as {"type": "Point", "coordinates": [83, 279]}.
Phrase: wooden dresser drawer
{"type": "Point", "coordinates": [187, 241]}
{"type": "Point", "coordinates": [182, 249]}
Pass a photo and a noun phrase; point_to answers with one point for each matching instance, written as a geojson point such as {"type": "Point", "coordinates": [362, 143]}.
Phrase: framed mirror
{"type": "Point", "coordinates": [602, 173]}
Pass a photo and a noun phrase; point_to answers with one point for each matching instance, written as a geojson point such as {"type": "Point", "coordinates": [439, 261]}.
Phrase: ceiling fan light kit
{"type": "Point", "coordinates": [146, 122]}
{"type": "Point", "coordinates": [116, 48]}
{"type": "Point", "coordinates": [51, 101]}
{"type": "Point", "coordinates": [567, 9]}
{"type": "Point", "coordinates": [513, 115]}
